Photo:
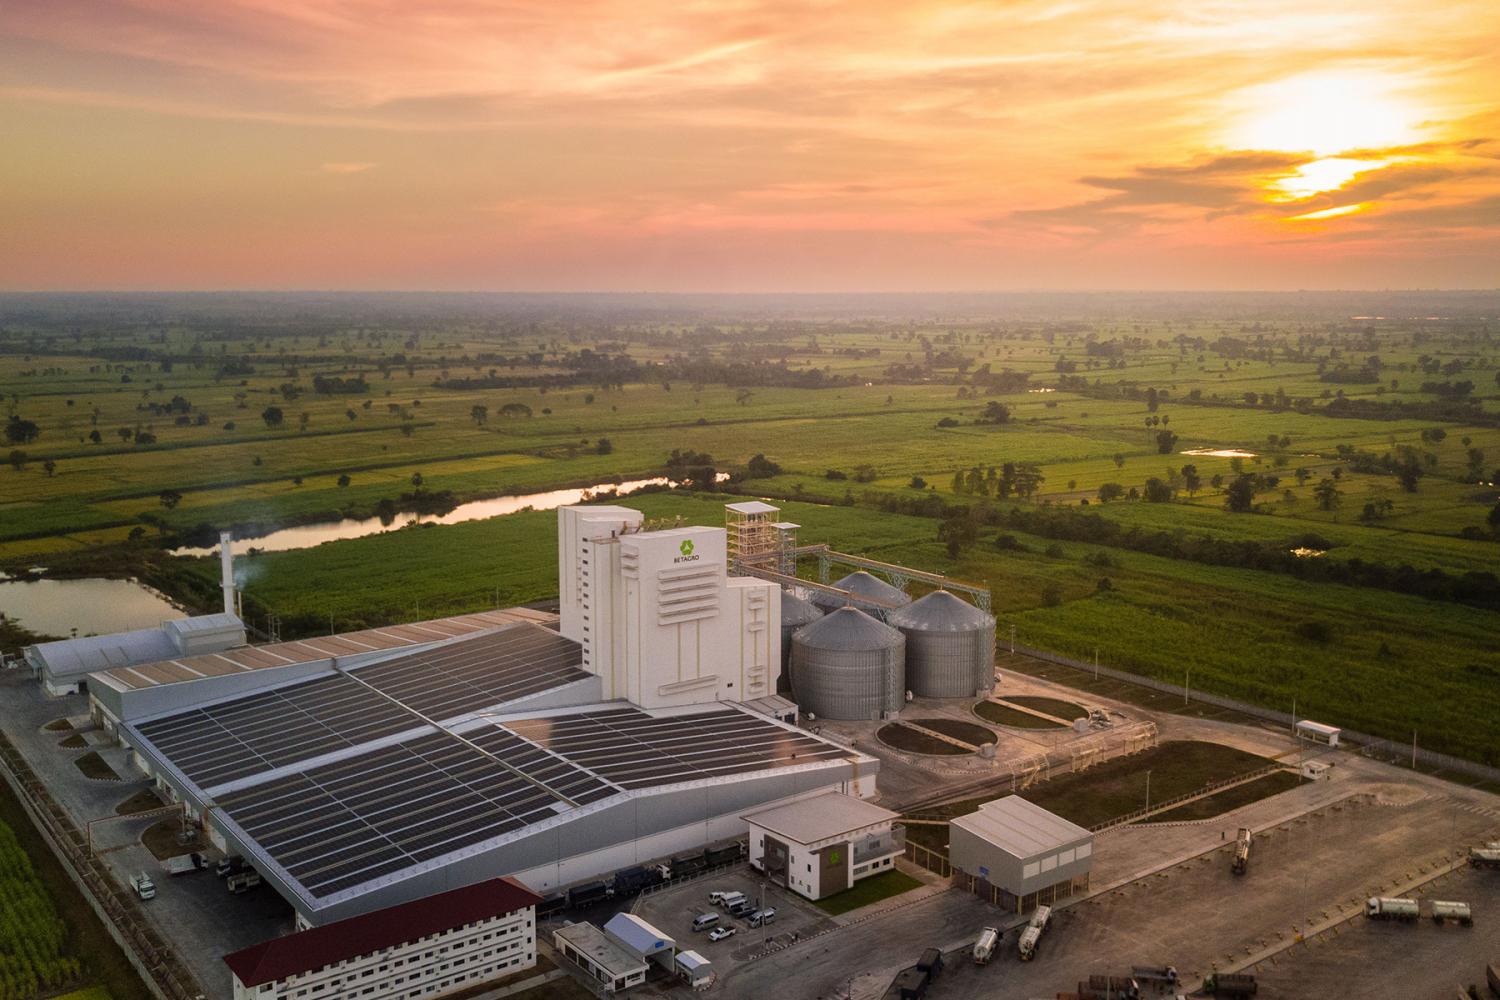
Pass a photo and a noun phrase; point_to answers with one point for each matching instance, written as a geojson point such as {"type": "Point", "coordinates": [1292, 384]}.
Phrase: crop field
{"type": "Point", "coordinates": [952, 440]}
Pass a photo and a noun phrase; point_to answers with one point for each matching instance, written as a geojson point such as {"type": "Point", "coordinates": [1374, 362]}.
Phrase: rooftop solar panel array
{"type": "Point", "coordinates": [336, 826]}
{"type": "Point", "coordinates": [635, 750]}
{"type": "Point", "coordinates": [270, 729]}
{"type": "Point", "coordinates": [467, 676]}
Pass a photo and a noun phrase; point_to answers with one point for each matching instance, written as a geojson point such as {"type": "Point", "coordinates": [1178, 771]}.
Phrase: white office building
{"type": "Point", "coordinates": [823, 844]}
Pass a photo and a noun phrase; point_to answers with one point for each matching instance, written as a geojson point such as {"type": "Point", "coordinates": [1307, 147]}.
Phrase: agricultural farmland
{"type": "Point", "coordinates": [1288, 497]}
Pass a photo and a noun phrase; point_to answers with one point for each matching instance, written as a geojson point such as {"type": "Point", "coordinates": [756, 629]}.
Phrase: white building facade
{"type": "Point", "coordinates": [433, 946]}
{"type": "Point", "coordinates": [660, 620]}
{"type": "Point", "coordinates": [821, 845]}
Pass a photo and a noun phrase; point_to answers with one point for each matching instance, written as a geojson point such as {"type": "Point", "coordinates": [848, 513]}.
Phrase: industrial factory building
{"type": "Point", "coordinates": [370, 769]}
{"type": "Point", "coordinates": [823, 844]}
{"type": "Point", "coordinates": [1018, 855]}
{"type": "Point", "coordinates": [64, 666]}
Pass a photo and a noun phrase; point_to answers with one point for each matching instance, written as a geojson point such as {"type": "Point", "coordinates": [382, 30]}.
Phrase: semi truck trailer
{"type": "Point", "coordinates": [1389, 908]}
{"type": "Point", "coordinates": [984, 948]}
{"type": "Point", "coordinates": [1445, 910]}
{"type": "Point", "coordinates": [1241, 851]}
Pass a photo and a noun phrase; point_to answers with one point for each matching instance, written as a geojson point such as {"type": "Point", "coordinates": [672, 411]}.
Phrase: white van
{"type": "Point", "coordinates": [729, 900]}
{"type": "Point", "coordinates": [704, 921]}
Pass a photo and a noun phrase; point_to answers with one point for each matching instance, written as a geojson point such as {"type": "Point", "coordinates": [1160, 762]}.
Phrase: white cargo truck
{"type": "Point", "coordinates": [1388, 908]}
{"type": "Point", "coordinates": [984, 948]}
{"type": "Point", "coordinates": [143, 886]}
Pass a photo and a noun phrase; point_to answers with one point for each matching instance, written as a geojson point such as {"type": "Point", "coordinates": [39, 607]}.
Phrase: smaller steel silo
{"type": "Point", "coordinates": [950, 646]}
{"type": "Point", "coordinates": [795, 613]}
{"type": "Point", "coordinates": [862, 584]}
{"type": "Point", "coordinates": [847, 665]}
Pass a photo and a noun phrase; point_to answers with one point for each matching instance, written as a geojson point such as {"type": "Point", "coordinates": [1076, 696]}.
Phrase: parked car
{"type": "Point", "coordinates": [720, 933]}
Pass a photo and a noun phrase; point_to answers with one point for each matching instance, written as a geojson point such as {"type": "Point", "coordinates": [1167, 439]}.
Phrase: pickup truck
{"type": "Point", "coordinates": [143, 886]}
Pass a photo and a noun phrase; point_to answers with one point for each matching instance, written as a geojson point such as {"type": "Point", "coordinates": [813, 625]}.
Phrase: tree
{"type": "Point", "coordinates": [18, 459]}
{"type": "Point", "coordinates": [302, 420]}
{"type": "Point", "coordinates": [95, 436]}
{"type": "Point", "coordinates": [170, 499]}
{"type": "Point", "coordinates": [50, 467]}
{"type": "Point", "coordinates": [273, 416]}
{"type": "Point", "coordinates": [1119, 460]}
{"type": "Point", "coordinates": [918, 483]}
{"type": "Point", "coordinates": [1494, 518]}
{"type": "Point", "coordinates": [1303, 475]}
{"type": "Point", "coordinates": [1158, 491]}
{"type": "Point", "coordinates": [515, 411]}
{"type": "Point", "coordinates": [1165, 442]}
{"type": "Point", "coordinates": [995, 412]}
{"type": "Point", "coordinates": [1240, 496]}
{"type": "Point", "coordinates": [18, 431]}
{"type": "Point", "coordinates": [1191, 481]}
{"type": "Point", "coordinates": [1328, 495]}
{"type": "Point", "coordinates": [761, 467]}
{"type": "Point", "coordinates": [959, 484]}
{"type": "Point", "coordinates": [480, 413]}
{"type": "Point", "coordinates": [1110, 491]}
{"type": "Point", "coordinates": [865, 473]}
{"type": "Point", "coordinates": [343, 480]}
{"type": "Point", "coordinates": [1027, 479]}
{"type": "Point", "coordinates": [416, 481]}
{"type": "Point", "coordinates": [604, 446]}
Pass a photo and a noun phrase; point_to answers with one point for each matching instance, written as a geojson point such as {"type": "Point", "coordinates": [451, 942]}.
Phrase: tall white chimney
{"type": "Point", "coordinates": [226, 566]}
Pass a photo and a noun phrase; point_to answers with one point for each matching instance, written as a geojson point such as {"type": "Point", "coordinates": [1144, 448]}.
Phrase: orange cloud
{"type": "Point", "coordinates": [753, 144]}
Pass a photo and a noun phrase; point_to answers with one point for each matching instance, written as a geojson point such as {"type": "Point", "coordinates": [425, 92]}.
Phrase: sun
{"type": "Point", "coordinates": [1325, 114]}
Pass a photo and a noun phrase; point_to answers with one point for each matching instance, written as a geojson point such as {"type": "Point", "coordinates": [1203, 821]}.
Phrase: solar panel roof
{"type": "Point", "coordinates": [341, 824]}
{"type": "Point", "coordinates": [636, 750]}
{"type": "Point", "coordinates": [260, 732]}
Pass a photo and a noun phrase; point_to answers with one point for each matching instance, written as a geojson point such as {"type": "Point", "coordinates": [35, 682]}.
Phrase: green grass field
{"type": "Point", "coordinates": [860, 412]}
{"type": "Point", "coordinates": [867, 891]}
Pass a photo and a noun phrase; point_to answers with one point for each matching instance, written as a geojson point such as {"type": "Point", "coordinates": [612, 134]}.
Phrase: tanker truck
{"type": "Point", "coordinates": [1389, 908]}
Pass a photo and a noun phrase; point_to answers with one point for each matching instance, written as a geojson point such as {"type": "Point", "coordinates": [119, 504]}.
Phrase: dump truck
{"type": "Point", "coordinates": [1032, 935]}
{"type": "Point", "coordinates": [1233, 985]}
{"type": "Point", "coordinates": [1241, 851]}
{"type": "Point", "coordinates": [589, 892]}
{"type": "Point", "coordinates": [629, 881]}
{"type": "Point", "coordinates": [1392, 908]}
{"type": "Point", "coordinates": [984, 948]}
{"type": "Point", "coordinates": [1487, 856]}
{"type": "Point", "coordinates": [143, 886]}
{"type": "Point", "coordinates": [1445, 910]}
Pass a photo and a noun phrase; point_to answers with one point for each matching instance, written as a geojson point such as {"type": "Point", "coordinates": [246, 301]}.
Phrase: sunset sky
{"type": "Point", "coordinates": [749, 145]}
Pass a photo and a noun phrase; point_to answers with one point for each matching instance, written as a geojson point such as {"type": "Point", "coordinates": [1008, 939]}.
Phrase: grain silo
{"type": "Point", "coordinates": [862, 584]}
{"type": "Point", "coordinates": [795, 613]}
{"type": "Point", "coordinates": [950, 646]}
{"type": "Point", "coordinates": [847, 665]}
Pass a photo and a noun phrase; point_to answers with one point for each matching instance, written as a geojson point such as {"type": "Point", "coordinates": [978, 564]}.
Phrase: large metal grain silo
{"type": "Point", "coordinates": [950, 646]}
{"type": "Point", "coordinates": [862, 584]}
{"type": "Point", "coordinates": [795, 613]}
{"type": "Point", "coordinates": [847, 665]}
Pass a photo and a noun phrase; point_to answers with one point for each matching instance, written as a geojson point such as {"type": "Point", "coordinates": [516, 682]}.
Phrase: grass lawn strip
{"type": "Point", "coordinates": [1231, 798]}
{"type": "Point", "coordinates": [867, 891]}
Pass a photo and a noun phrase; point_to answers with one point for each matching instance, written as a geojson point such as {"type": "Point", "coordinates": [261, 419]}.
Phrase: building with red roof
{"type": "Point", "coordinates": [449, 941]}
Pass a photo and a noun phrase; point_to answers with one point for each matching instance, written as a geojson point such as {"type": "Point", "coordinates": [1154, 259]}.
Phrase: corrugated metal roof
{"type": "Point", "coordinates": [1020, 828]}
{"type": "Point", "coordinates": [205, 623]}
{"type": "Point", "coordinates": [848, 628]}
{"type": "Point", "coordinates": [304, 951]}
{"type": "Point", "coordinates": [752, 507]}
{"type": "Point", "coordinates": [637, 935]}
{"type": "Point", "coordinates": [89, 653]}
{"type": "Point", "coordinates": [862, 584]}
{"type": "Point", "coordinates": [602, 949]}
{"type": "Point", "coordinates": [821, 817]}
{"type": "Point", "coordinates": [692, 961]}
{"type": "Point", "coordinates": [795, 611]}
{"type": "Point", "coordinates": [940, 611]}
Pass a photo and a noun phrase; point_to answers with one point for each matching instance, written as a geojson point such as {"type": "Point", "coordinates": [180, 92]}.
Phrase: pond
{"type": "Point", "coordinates": [307, 535]}
{"type": "Point", "coordinates": [94, 605]}
{"type": "Point", "coordinates": [1220, 453]}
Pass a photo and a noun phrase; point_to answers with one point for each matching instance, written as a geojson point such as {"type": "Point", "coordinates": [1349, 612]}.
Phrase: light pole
{"type": "Point", "coordinates": [1148, 791]}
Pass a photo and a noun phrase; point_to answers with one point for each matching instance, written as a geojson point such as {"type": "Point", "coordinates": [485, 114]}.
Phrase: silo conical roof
{"type": "Point", "coordinates": [861, 584]}
{"type": "Point", "coordinates": [795, 612]}
{"type": "Point", "coordinates": [848, 629]}
{"type": "Point", "coordinates": [940, 611]}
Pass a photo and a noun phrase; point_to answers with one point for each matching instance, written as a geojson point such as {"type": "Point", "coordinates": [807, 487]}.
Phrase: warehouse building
{"type": "Point", "coordinates": [823, 844]}
{"type": "Point", "coordinates": [361, 771]}
{"type": "Point", "coordinates": [1018, 855]}
{"type": "Point", "coordinates": [64, 666]}
{"type": "Point", "coordinates": [448, 942]}
{"type": "Point", "coordinates": [620, 955]}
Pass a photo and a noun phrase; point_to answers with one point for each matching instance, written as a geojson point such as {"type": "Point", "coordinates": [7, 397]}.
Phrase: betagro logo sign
{"type": "Point", "coordinates": [686, 548]}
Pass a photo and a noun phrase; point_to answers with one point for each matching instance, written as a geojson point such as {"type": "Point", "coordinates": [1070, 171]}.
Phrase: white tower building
{"type": "Point", "coordinates": [659, 619]}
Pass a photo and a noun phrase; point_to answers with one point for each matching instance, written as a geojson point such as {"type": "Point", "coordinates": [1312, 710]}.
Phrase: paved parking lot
{"type": "Point", "coordinates": [673, 910]}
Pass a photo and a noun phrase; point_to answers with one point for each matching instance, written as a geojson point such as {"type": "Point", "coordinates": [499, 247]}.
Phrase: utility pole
{"type": "Point", "coordinates": [1012, 639]}
{"type": "Point", "coordinates": [1148, 791]}
{"type": "Point", "coordinates": [1413, 749]}
{"type": "Point", "coordinates": [1096, 663]}
{"type": "Point", "coordinates": [1187, 684]}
